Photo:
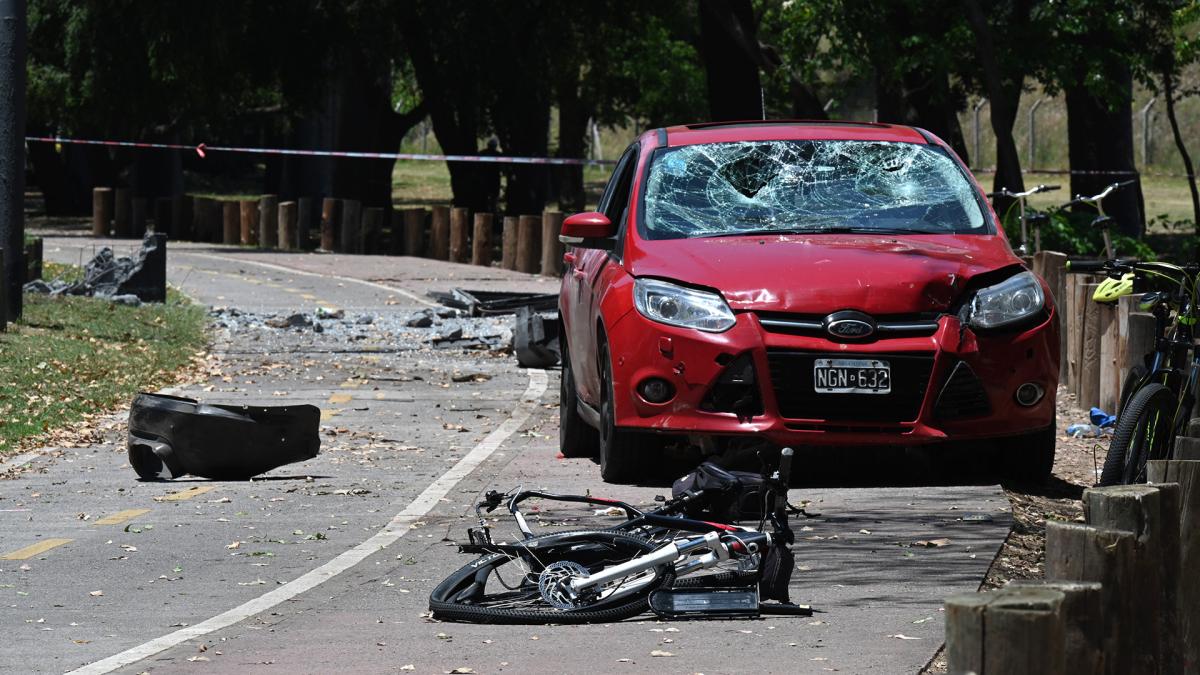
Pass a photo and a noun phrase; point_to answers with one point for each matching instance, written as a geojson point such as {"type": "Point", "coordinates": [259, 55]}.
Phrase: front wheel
{"type": "Point", "coordinates": [623, 454]}
{"type": "Point", "coordinates": [575, 437]}
{"type": "Point", "coordinates": [1144, 432]}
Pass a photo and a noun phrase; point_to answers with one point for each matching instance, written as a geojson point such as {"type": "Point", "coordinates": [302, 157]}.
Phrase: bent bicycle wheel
{"type": "Point", "coordinates": [1144, 432]}
{"type": "Point", "coordinates": [527, 585]}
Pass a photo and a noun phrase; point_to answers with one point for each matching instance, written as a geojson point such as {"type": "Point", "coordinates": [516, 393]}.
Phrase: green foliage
{"type": "Point", "coordinates": [1072, 233]}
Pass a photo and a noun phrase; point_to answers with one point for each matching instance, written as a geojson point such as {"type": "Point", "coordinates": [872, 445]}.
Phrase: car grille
{"type": "Point", "coordinates": [962, 396]}
{"type": "Point", "coordinates": [792, 377]}
{"type": "Point", "coordinates": [887, 325]}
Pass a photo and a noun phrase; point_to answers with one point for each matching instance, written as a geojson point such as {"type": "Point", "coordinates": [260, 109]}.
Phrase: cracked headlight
{"type": "Point", "coordinates": [684, 307]}
{"type": "Point", "coordinates": [1016, 298]}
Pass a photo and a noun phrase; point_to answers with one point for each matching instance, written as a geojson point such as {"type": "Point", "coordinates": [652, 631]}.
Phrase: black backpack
{"type": "Point", "coordinates": [729, 496]}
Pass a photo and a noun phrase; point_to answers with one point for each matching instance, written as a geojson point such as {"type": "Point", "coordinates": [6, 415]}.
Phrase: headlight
{"type": "Point", "coordinates": [683, 307]}
{"type": "Point", "coordinates": [1009, 301]}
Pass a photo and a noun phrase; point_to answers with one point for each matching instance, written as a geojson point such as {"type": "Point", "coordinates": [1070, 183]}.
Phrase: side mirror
{"type": "Point", "coordinates": [588, 230]}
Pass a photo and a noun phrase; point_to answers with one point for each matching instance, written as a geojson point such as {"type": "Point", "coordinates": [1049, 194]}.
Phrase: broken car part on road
{"type": "Point", "coordinates": [490, 303]}
{"type": "Point", "coordinates": [143, 276]}
{"type": "Point", "coordinates": [170, 436]}
{"type": "Point", "coordinates": [652, 560]}
{"type": "Point", "coordinates": [535, 338]}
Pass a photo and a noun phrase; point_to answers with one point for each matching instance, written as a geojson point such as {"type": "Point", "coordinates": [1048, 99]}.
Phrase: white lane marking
{"type": "Point", "coordinates": [392, 532]}
{"type": "Point", "coordinates": [290, 270]}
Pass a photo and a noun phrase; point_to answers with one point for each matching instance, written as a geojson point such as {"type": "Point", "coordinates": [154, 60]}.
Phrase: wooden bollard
{"type": "Point", "coordinates": [439, 233]}
{"type": "Point", "coordinates": [1052, 266]}
{"type": "Point", "coordinates": [122, 216]}
{"type": "Point", "coordinates": [393, 219]}
{"type": "Point", "coordinates": [268, 221]}
{"type": "Point", "coordinates": [287, 226]}
{"type": "Point", "coordinates": [198, 218]}
{"type": "Point", "coordinates": [181, 218]}
{"type": "Point", "coordinates": [481, 240]}
{"type": "Point", "coordinates": [529, 244]}
{"type": "Point", "coordinates": [1110, 361]}
{"type": "Point", "coordinates": [351, 226]}
{"type": "Point", "coordinates": [459, 235]}
{"type": "Point", "coordinates": [102, 208]}
{"type": "Point", "coordinates": [331, 217]}
{"type": "Point", "coordinates": [1186, 589]}
{"type": "Point", "coordinates": [372, 230]}
{"type": "Point", "coordinates": [414, 232]}
{"type": "Point", "coordinates": [305, 218]}
{"type": "Point", "coordinates": [552, 248]}
{"type": "Point", "coordinates": [1025, 629]}
{"type": "Point", "coordinates": [508, 243]}
{"type": "Point", "coordinates": [1089, 358]}
{"type": "Point", "coordinates": [137, 217]}
{"type": "Point", "coordinates": [231, 222]}
{"type": "Point", "coordinates": [248, 220]}
{"type": "Point", "coordinates": [216, 221]}
{"type": "Point", "coordinates": [163, 216]}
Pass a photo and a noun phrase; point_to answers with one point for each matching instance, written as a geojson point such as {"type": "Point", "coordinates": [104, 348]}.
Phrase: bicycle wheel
{"type": "Point", "coordinates": [1143, 433]}
{"type": "Point", "coordinates": [520, 587]}
{"type": "Point", "coordinates": [1135, 375]}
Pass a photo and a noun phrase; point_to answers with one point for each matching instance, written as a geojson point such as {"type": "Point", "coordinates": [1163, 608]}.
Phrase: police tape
{"type": "Point", "coordinates": [203, 149]}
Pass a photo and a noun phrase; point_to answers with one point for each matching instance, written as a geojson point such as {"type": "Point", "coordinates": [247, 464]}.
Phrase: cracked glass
{"type": "Point", "coordinates": [801, 187]}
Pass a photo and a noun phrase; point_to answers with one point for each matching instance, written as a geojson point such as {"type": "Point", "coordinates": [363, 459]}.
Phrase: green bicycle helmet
{"type": "Point", "coordinates": [1110, 290]}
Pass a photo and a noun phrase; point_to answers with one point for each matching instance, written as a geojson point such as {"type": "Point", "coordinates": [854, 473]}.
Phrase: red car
{"type": "Point", "coordinates": [805, 284]}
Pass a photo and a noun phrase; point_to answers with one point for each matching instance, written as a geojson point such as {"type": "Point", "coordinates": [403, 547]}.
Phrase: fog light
{"type": "Point", "coordinates": [656, 390]}
{"type": "Point", "coordinates": [1030, 393]}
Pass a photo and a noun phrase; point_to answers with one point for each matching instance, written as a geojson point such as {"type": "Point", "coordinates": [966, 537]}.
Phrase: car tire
{"type": "Point", "coordinates": [1029, 459]}
{"type": "Point", "coordinates": [576, 438]}
{"type": "Point", "coordinates": [622, 453]}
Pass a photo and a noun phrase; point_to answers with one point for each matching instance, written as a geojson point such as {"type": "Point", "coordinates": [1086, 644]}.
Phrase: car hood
{"type": "Point", "coordinates": [823, 273]}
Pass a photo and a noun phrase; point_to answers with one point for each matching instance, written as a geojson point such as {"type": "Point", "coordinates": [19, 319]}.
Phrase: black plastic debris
{"type": "Point", "coordinates": [491, 303]}
{"type": "Point", "coordinates": [170, 436]}
{"type": "Point", "coordinates": [535, 338]}
{"type": "Point", "coordinates": [143, 275]}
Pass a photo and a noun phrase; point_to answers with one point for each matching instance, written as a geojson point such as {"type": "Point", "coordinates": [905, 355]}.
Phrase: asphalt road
{"type": "Point", "coordinates": [327, 565]}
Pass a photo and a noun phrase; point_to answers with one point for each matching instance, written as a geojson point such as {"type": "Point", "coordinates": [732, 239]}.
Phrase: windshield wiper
{"type": "Point", "coordinates": [832, 229]}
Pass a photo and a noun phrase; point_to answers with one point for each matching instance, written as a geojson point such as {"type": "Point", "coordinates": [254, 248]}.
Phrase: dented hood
{"type": "Point", "coordinates": [822, 273]}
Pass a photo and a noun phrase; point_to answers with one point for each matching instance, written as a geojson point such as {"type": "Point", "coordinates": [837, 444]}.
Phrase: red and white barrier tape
{"type": "Point", "coordinates": [204, 149]}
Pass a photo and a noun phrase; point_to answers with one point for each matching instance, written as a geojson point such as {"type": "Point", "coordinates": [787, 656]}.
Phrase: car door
{"type": "Point", "coordinates": [586, 276]}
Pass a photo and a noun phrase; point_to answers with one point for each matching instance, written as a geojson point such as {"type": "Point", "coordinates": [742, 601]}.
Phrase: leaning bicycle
{"type": "Point", "coordinates": [1157, 396]}
{"type": "Point", "coordinates": [1026, 216]}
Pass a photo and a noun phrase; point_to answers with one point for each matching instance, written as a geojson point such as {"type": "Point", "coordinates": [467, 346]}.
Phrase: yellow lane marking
{"type": "Point", "coordinates": [340, 398]}
{"type": "Point", "coordinates": [329, 414]}
{"type": "Point", "coordinates": [30, 551]}
{"type": "Point", "coordinates": [121, 516]}
{"type": "Point", "coordinates": [186, 494]}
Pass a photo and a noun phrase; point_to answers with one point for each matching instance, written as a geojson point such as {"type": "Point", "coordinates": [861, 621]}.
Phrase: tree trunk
{"type": "Point", "coordinates": [572, 141]}
{"type": "Point", "coordinates": [726, 30]}
{"type": "Point", "coordinates": [1100, 147]}
{"type": "Point", "coordinates": [1189, 169]}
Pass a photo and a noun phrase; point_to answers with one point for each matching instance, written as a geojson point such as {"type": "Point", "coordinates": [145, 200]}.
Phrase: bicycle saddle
{"type": "Point", "coordinates": [1103, 221]}
{"type": "Point", "coordinates": [1037, 218]}
{"type": "Point", "coordinates": [1149, 301]}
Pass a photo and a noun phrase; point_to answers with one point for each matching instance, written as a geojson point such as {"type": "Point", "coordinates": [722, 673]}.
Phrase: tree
{"type": "Point", "coordinates": [732, 56]}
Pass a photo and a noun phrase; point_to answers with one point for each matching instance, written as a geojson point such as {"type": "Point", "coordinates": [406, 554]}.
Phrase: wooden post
{"type": "Point", "coordinates": [181, 217]}
{"type": "Point", "coordinates": [1084, 553]}
{"type": "Point", "coordinates": [1151, 513]}
{"type": "Point", "coordinates": [1072, 320]}
{"type": "Point", "coordinates": [287, 226]}
{"type": "Point", "coordinates": [1110, 361]}
{"type": "Point", "coordinates": [529, 240]}
{"type": "Point", "coordinates": [122, 218]}
{"type": "Point", "coordinates": [1186, 474]}
{"type": "Point", "coordinates": [508, 244]}
{"type": "Point", "coordinates": [331, 217]}
{"type": "Point", "coordinates": [351, 226]}
{"type": "Point", "coordinates": [305, 215]}
{"type": "Point", "coordinates": [199, 219]}
{"type": "Point", "coordinates": [102, 208]}
{"type": "Point", "coordinates": [268, 221]}
{"type": "Point", "coordinates": [414, 232]}
{"type": "Point", "coordinates": [459, 228]}
{"type": "Point", "coordinates": [1052, 266]}
{"type": "Point", "coordinates": [394, 220]}
{"type": "Point", "coordinates": [552, 248]}
{"type": "Point", "coordinates": [1089, 359]}
{"type": "Point", "coordinates": [249, 221]}
{"type": "Point", "coordinates": [439, 233]}
{"type": "Point", "coordinates": [137, 217]}
{"type": "Point", "coordinates": [216, 221]}
{"type": "Point", "coordinates": [231, 222]}
{"type": "Point", "coordinates": [372, 230]}
{"type": "Point", "coordinates": [163, 207]}
{"type": "Point", "coordinates": [481, 240]}
{"type": "Point", "coordinates": [1052, 629]}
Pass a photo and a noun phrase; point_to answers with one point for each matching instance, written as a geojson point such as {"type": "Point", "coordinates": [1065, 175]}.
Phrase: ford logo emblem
{"type": "Point", "coordinates": [849, 325]}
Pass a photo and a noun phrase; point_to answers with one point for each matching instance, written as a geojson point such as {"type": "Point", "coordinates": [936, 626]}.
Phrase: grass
{"type": "Point", "coordinates": [70, 358]}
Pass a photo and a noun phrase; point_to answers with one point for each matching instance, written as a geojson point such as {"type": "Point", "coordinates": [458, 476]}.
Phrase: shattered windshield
{"type": "Point", "coordinates": [756, 187]}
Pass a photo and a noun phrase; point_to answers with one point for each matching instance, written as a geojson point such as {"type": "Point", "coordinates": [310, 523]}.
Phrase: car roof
{"type": "Point", "coordinates": [792, 130]}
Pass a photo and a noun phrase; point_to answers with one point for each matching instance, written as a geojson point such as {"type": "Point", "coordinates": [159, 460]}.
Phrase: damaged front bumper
{"type": "Point", "coordinates": [949, 382]}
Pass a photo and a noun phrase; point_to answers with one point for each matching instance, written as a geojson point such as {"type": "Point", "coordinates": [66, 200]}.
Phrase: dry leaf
{"type": "Point", "coordinates": [659, 652]}
{"type": "Point", "coordinates": [96, 594]}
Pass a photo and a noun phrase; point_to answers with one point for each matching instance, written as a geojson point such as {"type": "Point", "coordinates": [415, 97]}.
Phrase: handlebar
{"type": "Point", "coordinates": [1086, 266]}
{"type": "Point", "coordinates": [1080, 199]}
{"type": "Point", "coordinates": [1004, 192]}
{"type": "Point", "coordinates": [785, 465]}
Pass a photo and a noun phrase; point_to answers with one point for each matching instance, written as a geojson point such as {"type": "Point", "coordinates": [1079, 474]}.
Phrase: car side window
{"type": "Point", "coordinates": [616, 194]}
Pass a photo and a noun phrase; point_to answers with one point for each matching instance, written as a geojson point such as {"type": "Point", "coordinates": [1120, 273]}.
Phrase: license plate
{"type": "Point", "coordinates": [852, 376]}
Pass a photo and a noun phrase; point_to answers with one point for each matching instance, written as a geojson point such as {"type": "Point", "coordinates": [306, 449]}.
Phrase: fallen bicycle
{"type": "Point", "coordinates": [666, 560]}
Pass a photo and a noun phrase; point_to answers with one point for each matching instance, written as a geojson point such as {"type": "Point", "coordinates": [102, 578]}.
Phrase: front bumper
{"type": "Point", "coordinates": [920, 411]}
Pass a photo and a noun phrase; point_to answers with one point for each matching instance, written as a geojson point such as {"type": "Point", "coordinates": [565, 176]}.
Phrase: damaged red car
{"type": "Point", "coordinates": [801, 283]}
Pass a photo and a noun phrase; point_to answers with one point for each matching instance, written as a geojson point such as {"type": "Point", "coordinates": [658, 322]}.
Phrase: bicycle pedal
{"type": "Point", "coordinates": [480, 536]}
{"type": "Point", "coordinates": [705, 603]}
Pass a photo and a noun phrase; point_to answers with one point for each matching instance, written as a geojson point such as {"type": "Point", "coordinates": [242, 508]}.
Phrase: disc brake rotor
{"type": "Point", "coordinates": [554, 583]}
